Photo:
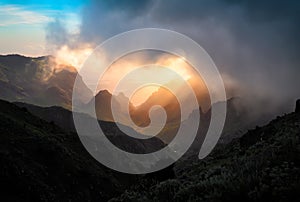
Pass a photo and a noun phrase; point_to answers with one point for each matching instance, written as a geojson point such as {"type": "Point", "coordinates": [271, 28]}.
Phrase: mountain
{"type": "Point", "coordinates": [239, 118]}
{"type": "Point", "coordinates": [170, 102]}
{"type": "Point", "coordinates": [38, 81]}
{"type": "Point", "coordinates": [41, 162]}
{"type": "Point", "coordinates": [160, 97]}
{"type": "Point", "coordinates": [103, 107]}
{"type": "Point", "coordinates": [261, 165]}
{"type": "Point", "coordinates": [238, 121]}
{"type": "Point", "coordinates": [64, 119]}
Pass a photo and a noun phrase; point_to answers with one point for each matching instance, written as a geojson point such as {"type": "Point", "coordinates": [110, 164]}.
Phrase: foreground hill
{"type": "Point", "coordinates": [262, 165]}
{"type": "Point", "coordinates": [64, 119]}
{"type": "Point", "coordinates": [42, 162]}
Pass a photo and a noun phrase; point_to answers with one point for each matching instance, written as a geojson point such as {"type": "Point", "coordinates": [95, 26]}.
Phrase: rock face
{"type": "Point", "coordinates": [297, 109]}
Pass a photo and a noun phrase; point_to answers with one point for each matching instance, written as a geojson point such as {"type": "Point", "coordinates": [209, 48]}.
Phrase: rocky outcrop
{"type": "Point", "coordinates": [297, 109]}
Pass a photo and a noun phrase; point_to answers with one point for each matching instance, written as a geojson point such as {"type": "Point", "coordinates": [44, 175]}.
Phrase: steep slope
{"type": "Point", "coordinates": [240, 116]}
{"type": "Point", "coordinates": [160, 97]}
{"type": "Point", "coordinates": [64, 119]}
{"type": "Point", "coordinates": [103, 106]}
{"type": "Point", "coordinates": [41, 162]}
{"type": "Point", "coordinates": [37, 81]}
{"type": "Point", "coordinates": [262, 165]}
{"type": "Point", "coordinates": [239, 119]}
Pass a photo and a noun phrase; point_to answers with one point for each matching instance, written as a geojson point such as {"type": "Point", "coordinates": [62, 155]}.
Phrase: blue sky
{"type": "Point", "coordinates": [23, 23]}
{"type": "Point", "coordinates": [248, 40]}
{"type": "Point", "coordinates": [47, 4]}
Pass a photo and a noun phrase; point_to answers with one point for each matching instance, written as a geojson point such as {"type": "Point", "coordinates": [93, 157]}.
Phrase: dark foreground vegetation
{"type": "Point", "coordinates": [39, 161]}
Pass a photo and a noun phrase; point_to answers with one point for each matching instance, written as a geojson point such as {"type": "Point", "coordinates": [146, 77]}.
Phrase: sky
{"type": "Point", "coordinates": [23, 24]}
{"type": "Point", "coordinates": [255, 44]}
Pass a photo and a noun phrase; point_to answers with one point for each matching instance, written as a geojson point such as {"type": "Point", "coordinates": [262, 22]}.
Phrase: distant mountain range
{"type": "Point", "coordinates": [64, 119]}
{"type": "Point", "coordinates": [42, 158]}
{"type": "Point", "coordinates": [42, 161]}
{"type": "Point", "coordinates": [35, 81]}
{"type": "Point", "coordinates": [261, 165]}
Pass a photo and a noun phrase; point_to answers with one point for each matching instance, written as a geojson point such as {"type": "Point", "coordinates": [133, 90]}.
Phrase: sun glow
{"type": "Point", "coordinates": [65, 57]}
{"type": "Point", "coordinates": [178, 64]}
{"type": "Point", "coordinates": [155, 68]}
{"type": "Point", "coordinates": [141, 95]}
{"type": "Point", "coordinates": [72, 59]}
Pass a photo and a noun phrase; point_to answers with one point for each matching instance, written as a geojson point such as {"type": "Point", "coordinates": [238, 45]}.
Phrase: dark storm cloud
{"type": "Point", "coordinates": [254, 42]}
{"type": "Point", "coordinates": [264, 10]}
{"type": "Point", "coordinates": [102, 19]}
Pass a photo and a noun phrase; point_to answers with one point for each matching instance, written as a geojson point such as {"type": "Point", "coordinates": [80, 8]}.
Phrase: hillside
{"type": "Point", "coordinates": [38, 81]}
{"type": "Point", "coordinates": [42, 158]}
{"type": "Point", "coordinates": [42, 162]}
{"type": "Point", "coordinates": [39, 161]}
{"type": "Point", "coordinates": [64, 119]}
{"type": "Point", "coordinates": [262, 165]}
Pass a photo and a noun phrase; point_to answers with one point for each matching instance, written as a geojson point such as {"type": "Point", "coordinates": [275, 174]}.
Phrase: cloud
{"type": "Point", "coordinates": [15, 15]}
{"type": "Point", "coordinates": [57, 33]}
{"type": "Point", "coordinates": [103, 19]}
{"type": "Point", "coordinates": [254, 42]}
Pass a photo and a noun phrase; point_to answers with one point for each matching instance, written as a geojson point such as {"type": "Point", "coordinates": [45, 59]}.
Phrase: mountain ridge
{"type": "Point", "coordinates": [261, 165]}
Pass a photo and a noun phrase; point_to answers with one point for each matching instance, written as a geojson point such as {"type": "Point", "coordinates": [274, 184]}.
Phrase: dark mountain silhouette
{"type": "Point", "coordinates": [261, 165]}
{"type": "Point", "coordinates": [42, 158]}
{"type": "Point", "coordinates": [161, 97]}
{"type": "Point", "coordinates": [36, 81]}
{"type": "Point", "coordinates": [103, 107]}
{"type": "Point", "coordinates": [239, 118]}
{"type": "Point", "coordinates": [64, 119]}
{"type": "Point", "coordinates": [41, 162]}
{"type": "Point", "coordinates": [297, 108]}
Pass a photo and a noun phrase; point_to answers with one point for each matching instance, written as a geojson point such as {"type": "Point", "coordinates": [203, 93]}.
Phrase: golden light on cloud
{"type": "Point", "coordinates": [152, 66]}
{"type": "Point", "coordinates": [150, 69]}
{"type": "Point", "coordinates": [178, 64]}
{"type": "Point", "coordinates": [65, 57]}
{"type": "Point", "coordinates": [142, 94]}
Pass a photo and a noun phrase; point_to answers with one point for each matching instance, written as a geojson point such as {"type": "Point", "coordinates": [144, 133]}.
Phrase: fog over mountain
{"type": "Point", "coordinates": [113, 141]}
{"type": "Point", "coordinates": [34, 81]}
{"type": "Point", "coordinates": [253, 43]}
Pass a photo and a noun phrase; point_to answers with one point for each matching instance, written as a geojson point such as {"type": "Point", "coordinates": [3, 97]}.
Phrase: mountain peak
{"type": "Point", "coordinates": [104, 93]}
{"type": "Point", "coordinates": [24, 56]}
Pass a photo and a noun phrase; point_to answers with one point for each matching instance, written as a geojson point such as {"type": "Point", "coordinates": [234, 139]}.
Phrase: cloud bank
{"type": "Point", "coordinates": [253, 43]}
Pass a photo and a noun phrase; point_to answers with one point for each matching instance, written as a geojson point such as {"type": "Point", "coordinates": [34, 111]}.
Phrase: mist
{"type": "Point", "coordinates": [255, 45]}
